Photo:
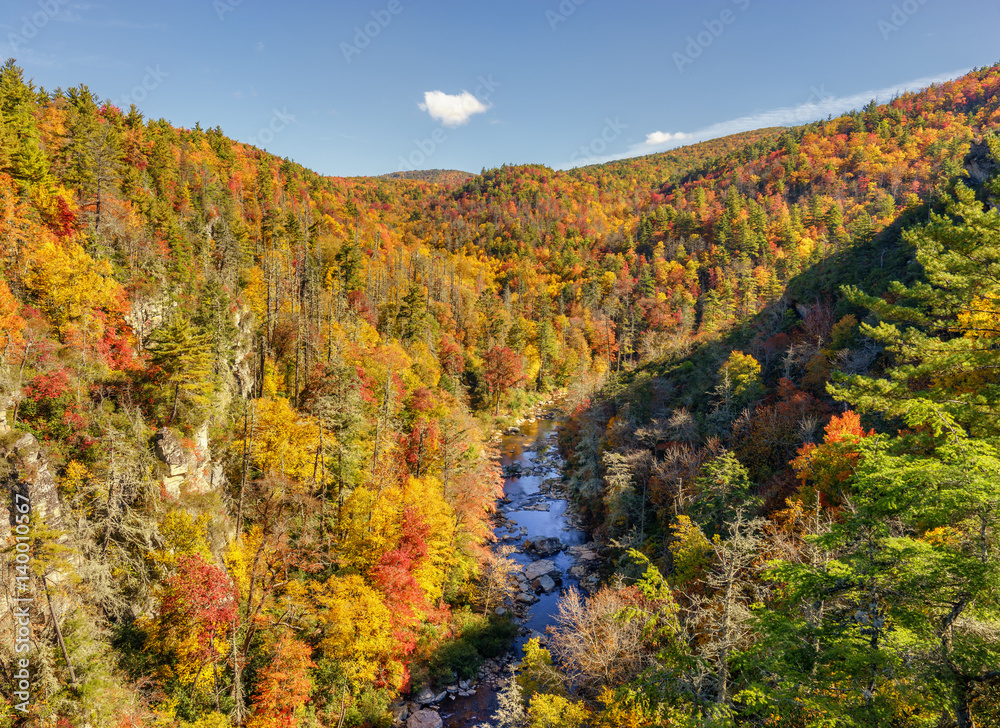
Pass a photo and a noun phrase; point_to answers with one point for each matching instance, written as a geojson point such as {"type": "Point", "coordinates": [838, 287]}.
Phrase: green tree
{"type": "Point", "coordinates": [938, 483]}
{"type": "Point", "coordinates": [412, 314]}
{"type": "Point", "coordinates": [93, 151]}
{"type": "Point", "coordinates": [724, 487]}
{"type": "Point", "coordinates": [22, 155]}
{"type": "Point", "coordinates": [350, 265]}
{"type": "Point", "coordinates": [911, 588]}
{"type": "Point", "coordinates": [183, 354]}
{"type": "Point", "coordinates": [333, 396]}
{"type": "Point", "coordinates": [942, 332]}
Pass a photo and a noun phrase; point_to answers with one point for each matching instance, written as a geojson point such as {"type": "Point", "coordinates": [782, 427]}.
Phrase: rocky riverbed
{"type": "Point", "coordinates": [534, 518]}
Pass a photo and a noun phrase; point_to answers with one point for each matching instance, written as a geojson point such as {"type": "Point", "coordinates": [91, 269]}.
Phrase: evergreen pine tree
{"type": "Point", "coordinates": [184, 355]}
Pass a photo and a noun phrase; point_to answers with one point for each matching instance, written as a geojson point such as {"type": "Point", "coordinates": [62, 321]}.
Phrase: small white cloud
{"type": "Point", "coordinates": [452, 109]}
{"type": "Point", "coordinates": [663, 137]}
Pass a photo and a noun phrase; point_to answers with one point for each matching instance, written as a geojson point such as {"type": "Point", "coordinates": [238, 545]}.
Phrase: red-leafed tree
{"type": "Point", "coordinates": [421, 444]}
{"type": "Point", "coordinates": [394, 576]}
{"type": "Point", "coordinates": [502, 370]}
{"type": "Point", "coordinates": [197, 609]}
{"type": "Point", "coordinates": [450, 356]}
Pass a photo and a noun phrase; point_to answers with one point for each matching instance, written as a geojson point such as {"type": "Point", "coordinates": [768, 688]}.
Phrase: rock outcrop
{"type": "Point", "coordinates": [172, 454]}
{"type": "Point", "coordinates": [543, 546]}
{"type": "Point", "coordinates": [979, 163]}
{"type": "Point", "coordinates": [30, 475]}
{"type": "Point", "coordinates": [188, 466]}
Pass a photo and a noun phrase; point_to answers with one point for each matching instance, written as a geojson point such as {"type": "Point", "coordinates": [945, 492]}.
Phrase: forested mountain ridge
{"type": "Point", "coordinates": [440, 176]}
{"type": "Point", "coordinates": [813, 494]}
{"type": "Point", "coordinates": [248, 404]}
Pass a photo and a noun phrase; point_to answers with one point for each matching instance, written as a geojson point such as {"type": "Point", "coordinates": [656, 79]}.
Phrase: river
{"type": "Point", "coordinates": [532, 508]}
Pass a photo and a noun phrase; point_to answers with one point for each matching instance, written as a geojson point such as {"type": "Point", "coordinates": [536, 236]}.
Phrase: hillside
{"type": "Point", "coordinates": [250, 406]}
{"type": "Point", "coordinates": [452, 177]}
{"type": "Point", "coordinates": [786, 480]}
{"type": "Point", "coordinates": [654, 170]}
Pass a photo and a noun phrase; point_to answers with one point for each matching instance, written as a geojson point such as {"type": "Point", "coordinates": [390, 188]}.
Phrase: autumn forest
{"type": "Point", "coordinates": [247, 419]}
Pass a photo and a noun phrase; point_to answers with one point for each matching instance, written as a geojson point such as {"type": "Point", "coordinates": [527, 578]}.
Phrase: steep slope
{"type": "Point", "coordinates": [786, 482]}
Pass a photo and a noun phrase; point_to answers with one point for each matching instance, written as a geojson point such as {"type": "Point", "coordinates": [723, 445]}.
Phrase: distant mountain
{"type": "Point", "coordinates": [447, 177]}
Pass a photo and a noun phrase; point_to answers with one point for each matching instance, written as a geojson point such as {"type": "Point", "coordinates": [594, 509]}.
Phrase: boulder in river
{"type": "Point", "coordinates": [540, 568]}
{"type": "Point", "coordinates": [424, 719]}
{"type": "Point", "coordinates": [399, 712]}
{"type": "Point", "coordinates": [544, 583]}
{"type": "Point", "coordinates": [425, 697]}
{"type": "Point", "coordinates": [544, 545]}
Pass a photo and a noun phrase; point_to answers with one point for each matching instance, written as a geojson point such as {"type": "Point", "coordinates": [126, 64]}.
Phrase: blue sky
{"type": "Point", "coordinates": [366, 87]}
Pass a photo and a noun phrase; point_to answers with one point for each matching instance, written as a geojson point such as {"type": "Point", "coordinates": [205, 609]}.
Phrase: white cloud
{"type": "Point", "coordinates": [664, 137]}
{"type": "Point", "coordinates": [819, 105]}
{"type": "Point", "coordinates": [452, 109]}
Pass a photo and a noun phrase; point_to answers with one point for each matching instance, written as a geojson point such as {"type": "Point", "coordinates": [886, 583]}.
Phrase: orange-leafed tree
{"type": "Point", "coordinates": [825, 468]}
{"type": "Point", "coordinates": [283, 686]}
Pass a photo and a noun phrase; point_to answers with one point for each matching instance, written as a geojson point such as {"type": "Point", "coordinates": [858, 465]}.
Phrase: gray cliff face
{"type": "Point", "coordinates": [30, 474]}
{"type": "Point", "coordinates": [187, 467]}
{"type": "Point", "coordinates": [979, 163]}
{"type": "Point", "coordinates": [172, 454]}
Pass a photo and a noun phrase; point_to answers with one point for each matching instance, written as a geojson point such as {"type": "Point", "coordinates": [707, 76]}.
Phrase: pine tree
{"type": "Point", "coordinates": [184, 356]}
{"type": "Point", "coordinates": [26, 161]}
{"type": "Point", "coordinates": [917, 563]}
{"type": "Point", "coordinates": [942, 333]}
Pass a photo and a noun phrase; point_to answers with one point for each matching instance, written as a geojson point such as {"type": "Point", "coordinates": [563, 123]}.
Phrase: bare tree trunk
{"type": "Point", "coordinates": [59, 635]}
